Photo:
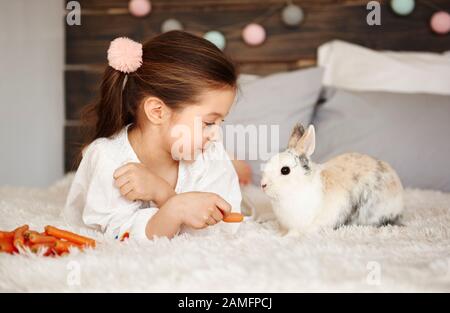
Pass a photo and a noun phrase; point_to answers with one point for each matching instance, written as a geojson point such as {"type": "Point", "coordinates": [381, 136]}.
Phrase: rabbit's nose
{"type": "Point", "coordinates": [263, 186]}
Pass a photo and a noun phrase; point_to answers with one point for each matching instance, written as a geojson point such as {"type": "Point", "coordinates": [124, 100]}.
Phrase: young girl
{"type": "Point", "coordinates": [154, 166]}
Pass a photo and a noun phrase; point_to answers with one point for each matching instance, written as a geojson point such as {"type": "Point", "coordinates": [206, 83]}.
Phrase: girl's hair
{"type": "Point", "coordinates": [176, 67]}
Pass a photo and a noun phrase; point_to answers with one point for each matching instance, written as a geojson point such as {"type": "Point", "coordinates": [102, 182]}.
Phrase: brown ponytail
{"type": "Point", "coordinates": [177, 67]}
{"type": "Point", "coordinates": [108, 114]}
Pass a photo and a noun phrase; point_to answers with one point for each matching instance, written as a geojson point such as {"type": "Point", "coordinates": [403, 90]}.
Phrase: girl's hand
{"type": "Point", "coordinates": [243, 170]}
{"type": "Point", "coordinates": [197, 209]}
{"type": "Point", "coordinates": [136, 182]}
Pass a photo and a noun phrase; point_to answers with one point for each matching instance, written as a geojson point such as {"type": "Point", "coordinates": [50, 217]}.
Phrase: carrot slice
{"type": "Point", "coordinates": [6, 245]}
{"type": "Point", "coordinates": [233, 217]}
{"type": "Point", "coordinates": [125, 236]}
{"type": "Point", "coordinates": [19, 239]}
{"type": "Point", "coordinates": [64, 246]}
{"type": "Point", "coordinates": [69, 236]}
{"type": "Point", "coordinates": [35, 238]}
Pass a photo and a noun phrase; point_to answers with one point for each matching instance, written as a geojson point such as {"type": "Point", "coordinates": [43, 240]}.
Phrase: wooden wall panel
{"type": "Point", "coordinates": [73, 141]}
{"type": "Point", "coordinates": [285, 49]}
{"type": "Point", "coordinates": [81, 88]}
{"type": "Point", "coordinates": [87, 44]}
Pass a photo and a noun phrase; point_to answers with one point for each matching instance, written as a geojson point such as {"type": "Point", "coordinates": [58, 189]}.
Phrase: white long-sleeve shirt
{"type": "Point", "coordinates": [95, 201]}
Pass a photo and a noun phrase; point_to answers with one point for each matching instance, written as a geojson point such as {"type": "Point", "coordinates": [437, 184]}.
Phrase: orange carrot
{"type": "Point", "coordinates": [28, 233]}
{"type": "Point", "coordinates": [19, 239]}
{"type": "Point", "coordinates": [35, 238]}
{"type": "Point", "coordinates": [125, 236]}
{"type": "Point", "coordinates": [233, 217]}
{"type": "Point", "coordinates": [69, 236]}
{"type": "Point", "coordinates": [63, 246]}
{"type": "Point", "coordinates": [6, 245]}
{"type": "Point", "coordinates": [6, 235]}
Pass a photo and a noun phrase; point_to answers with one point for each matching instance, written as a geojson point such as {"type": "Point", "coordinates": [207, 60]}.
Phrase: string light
{"type": "Point", "coordinates": [254, 34]}
{"type": "Point", "coordinates": [402, 7]}
{"type": "Point", "coordinates": [216, 38]}
{"type": "Point", "coordinates": [292, 15]}
{"type": "Point", "coordinates": [440, 22]}
{"type": "Point", "coordinates": [171, 24]}
{"type": "Point", "coordinates": [140, 8]}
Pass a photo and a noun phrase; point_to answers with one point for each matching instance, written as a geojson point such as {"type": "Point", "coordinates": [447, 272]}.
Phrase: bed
{"type": "Point", "coordinates": [413, 257]}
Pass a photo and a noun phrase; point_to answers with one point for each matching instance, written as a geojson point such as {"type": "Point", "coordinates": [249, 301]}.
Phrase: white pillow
{"type": "Point", "coordinates": [354, 67]}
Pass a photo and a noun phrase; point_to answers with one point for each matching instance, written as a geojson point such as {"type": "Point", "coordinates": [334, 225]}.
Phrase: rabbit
{"type": "Point", "coordinates": [349, 189]}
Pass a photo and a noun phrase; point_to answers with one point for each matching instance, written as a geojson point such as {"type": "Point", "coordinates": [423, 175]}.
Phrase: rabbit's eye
{"type": "Point", "coordinates": [285, 170]}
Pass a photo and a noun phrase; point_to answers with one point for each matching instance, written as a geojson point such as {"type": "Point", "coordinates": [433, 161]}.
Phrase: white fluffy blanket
{"type": "Point", "coordinates": [256, 258]}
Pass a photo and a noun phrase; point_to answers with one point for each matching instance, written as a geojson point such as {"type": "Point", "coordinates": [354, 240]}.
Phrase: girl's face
{"type": "Point", "coordinates": [193, 127]}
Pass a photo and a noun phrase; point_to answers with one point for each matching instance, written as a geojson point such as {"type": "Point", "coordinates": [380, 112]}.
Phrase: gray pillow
{"type": "Point", "coordinates": [410, 131]}
{"type": "Point", "coordinates": [279, 100]}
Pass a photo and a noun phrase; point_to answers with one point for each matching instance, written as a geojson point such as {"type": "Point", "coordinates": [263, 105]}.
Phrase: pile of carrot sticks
{"type": "Point", "coordinates": [51, 242]}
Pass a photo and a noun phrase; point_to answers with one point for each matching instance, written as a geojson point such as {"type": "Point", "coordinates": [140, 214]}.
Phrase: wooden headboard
{"type": "Point", "coordinates": [284, 49]}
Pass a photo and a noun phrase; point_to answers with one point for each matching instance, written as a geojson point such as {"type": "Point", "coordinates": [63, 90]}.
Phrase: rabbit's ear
{"type": "Point", "coordinates": [307, 144]}
{"type": "Point", "coordinates": [296, 134]}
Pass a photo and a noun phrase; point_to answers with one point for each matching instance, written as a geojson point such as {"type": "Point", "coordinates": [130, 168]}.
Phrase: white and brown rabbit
{"type": "Point", "coordinates": [350, 189]}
